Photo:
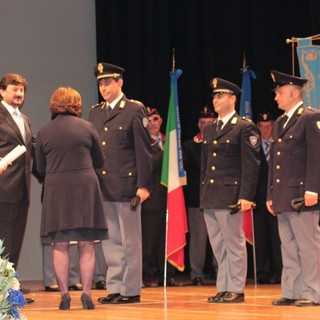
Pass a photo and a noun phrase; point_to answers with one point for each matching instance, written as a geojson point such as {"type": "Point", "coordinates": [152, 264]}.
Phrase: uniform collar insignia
{"type": "Point", "coordinates": [122, 104]}
{"type": "Point", "coordinates": [300, 111]}
{"type": "Point", "coordinates": [234, 120]}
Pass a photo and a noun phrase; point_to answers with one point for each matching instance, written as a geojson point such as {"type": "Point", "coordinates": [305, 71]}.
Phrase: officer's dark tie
{"type": "Point", "coordinates": [108, 109]}
{"type": "Point", "coordinates": [219, 126]}
{"type": "Point", "coordinates": [283, 122]}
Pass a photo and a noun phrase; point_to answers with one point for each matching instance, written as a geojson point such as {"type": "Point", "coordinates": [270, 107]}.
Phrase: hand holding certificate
{"type": "Point", "coordinates": [11, 156]}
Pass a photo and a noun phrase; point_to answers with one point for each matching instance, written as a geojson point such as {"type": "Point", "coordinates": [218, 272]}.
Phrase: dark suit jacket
{"type": "Point", "coordinates": [229, 164]}
{"type": "Point", "coordinates": [294, 159]}
{"type": "Point", "coordinates": [261, 193]}
{"type": "Point", "coordinates": [15, 181]}
{"type": "Point", "coordinates": [192, 163]}
{"type": "Point", "coordinates": [158, 198]}
{"type": "Point", "coordinates": [126, 144]}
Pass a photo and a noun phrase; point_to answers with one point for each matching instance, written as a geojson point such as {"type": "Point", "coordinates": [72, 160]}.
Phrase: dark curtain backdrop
{"type": "Point", "coordinates": [209, 37]}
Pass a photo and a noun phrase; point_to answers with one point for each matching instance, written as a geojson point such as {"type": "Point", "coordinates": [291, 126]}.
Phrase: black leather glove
{"type": "Point", "coordinates": [135, 201]}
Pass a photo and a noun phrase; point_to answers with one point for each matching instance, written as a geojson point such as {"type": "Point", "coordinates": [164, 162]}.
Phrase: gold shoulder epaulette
{"type": "Point", "coordinates": [100, 104]}
{"type": "Point", "coordinates": [312, 109]}
{"type": "Point", "coordinates": [247, 119]}
{"type": "Point", "coordinates": [139, 103]}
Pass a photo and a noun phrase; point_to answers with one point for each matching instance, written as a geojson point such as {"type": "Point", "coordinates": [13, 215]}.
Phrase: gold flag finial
{"type": "Point", "coordinates": [173, 59]}
{"type": "Point", "coordinates": [244, 62]}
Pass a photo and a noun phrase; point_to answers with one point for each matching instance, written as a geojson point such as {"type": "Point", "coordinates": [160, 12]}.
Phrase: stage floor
{"type": "Point", "coordinates": [174, 303]}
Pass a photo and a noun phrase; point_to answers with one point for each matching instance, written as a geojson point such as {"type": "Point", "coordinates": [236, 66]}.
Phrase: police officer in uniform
{"type": "Point", "coordinates": [125, 178]}
{"type": "Point", "coordinates": [229, 171]}
{"type": "Point", "coordinates": [294, 172]}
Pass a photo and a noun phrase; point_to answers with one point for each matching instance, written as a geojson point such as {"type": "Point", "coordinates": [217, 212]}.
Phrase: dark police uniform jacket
{"type": "Point", "coordinates": [229, 164]}
{"type": "Point", "coordinates": [294, 159]}
{"type": "Point", "coordinates": [126, 145]}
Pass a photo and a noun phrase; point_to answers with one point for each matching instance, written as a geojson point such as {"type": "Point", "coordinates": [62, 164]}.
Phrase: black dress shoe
{"type": "Point", "coordinates": [153, 283]}
{"type": "Point", "coordinates": [75, 287]}
{"type": "Point", "coordinates": [263, 280]}
{"type": "Point", "coordinates": [101, 285]}
{"type": "Point", "coordinates": [277, 280]}
{"type": "Point", "coordinates": [24, 290]}
{"type": "Point", "coordinates": [29, 300]}
{"type": "Point", "coordinates": [125, 299]}
{"type": "Point", "coordinates": [232, 297]}
{"type": "Point", "coordinates": [109, 298]}
{"type": "Point", "coordinates": [217, 297]}
{"type": "Point", "coordinates": [197, 281]}
{"type": "Point", "coordinates": [53, 288]}
{"type": "Point", "coordinates": [173, 283]}
{"type": "Point", "coordinates": [305, 303]}
{"type": "Point", "coordinates": [283, 302]}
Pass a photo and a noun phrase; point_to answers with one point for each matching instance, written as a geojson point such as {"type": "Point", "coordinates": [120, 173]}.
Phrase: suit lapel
{"type": "Point", "coordinates": [11, 123]}
{"type": "Point", "coordinates": [117, 109]}
{"type": "Point", "coordinates": [228, 126]}
{"type": "Point", "coordinates": [291, 121]}
{"type": "Point", "coordinates": [27, 128]}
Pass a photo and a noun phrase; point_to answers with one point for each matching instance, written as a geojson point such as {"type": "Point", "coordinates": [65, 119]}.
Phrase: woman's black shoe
{"type": "Point", "coordinates": [65, 302]}
{"type": "Point", "coordinates": [87, 302]}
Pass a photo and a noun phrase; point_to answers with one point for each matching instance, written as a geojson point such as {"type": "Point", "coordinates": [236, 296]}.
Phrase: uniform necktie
{"type": "Point", "coordinates": [159, 143]}
{"type": "Point", "coordinates": [267, 150]}
{"type": "Point", "coordinates": [219, 126]}
{"type": "Point", "coordinates": [19, 121]}
{"type": "Point", "coordinates": [108, 109]}
{"type": "Point", "coordinates": [284, 121]}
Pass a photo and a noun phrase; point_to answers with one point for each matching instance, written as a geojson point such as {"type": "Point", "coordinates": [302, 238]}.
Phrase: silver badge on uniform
{"type": "Point", "coordinates": [253, 140]}
{"type": "Point", "coordinates": [145, 122]}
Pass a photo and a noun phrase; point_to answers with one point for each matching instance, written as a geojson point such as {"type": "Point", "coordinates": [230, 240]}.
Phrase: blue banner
{"type": "Point", "coordinates": [309, 63]}
{"type": "Point", "coordinates": [245, 101]}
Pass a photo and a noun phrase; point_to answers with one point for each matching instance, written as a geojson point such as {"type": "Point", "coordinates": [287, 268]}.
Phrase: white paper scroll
{"type": "Point", "coordinates": [12, 155]}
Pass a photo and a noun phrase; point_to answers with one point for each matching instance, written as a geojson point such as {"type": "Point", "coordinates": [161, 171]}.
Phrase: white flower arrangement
{"type": "Point", "coordinates": [10, 296]}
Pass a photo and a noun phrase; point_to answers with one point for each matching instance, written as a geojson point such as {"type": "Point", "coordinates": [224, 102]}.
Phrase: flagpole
{"type": "Point", "coordinates": [294, 40]}
{"type": "Point", "coordinates": [248, 113]}
{"type": "Point", "coordinates": [165, 269]}
{"type": "Point", "coordinates": [165, 252]}
{"type": "Point", "coordinates": [254, 250]}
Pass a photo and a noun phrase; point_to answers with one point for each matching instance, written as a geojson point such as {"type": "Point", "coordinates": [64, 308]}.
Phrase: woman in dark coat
{"type": "Point", "coordinates": [67, 152]}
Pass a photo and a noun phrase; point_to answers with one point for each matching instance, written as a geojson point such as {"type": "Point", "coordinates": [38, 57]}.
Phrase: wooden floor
{"type": "Point", "coordinates": [177, 303]}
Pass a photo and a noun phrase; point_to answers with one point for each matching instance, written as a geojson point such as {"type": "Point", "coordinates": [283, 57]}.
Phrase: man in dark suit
{"type": "Point", "coordinates": [15, 180]}
{"type": "Point", "coordinates": [198, 235]}
{"type": "Point", "coordinates": [126, 176]}
{"type": "Point", "coordinates": [229, 171]}
{"type": "Point", "coordinates": [294, 172]}
{"type": "Point", "coordinates": [267, 241]}
{"type": "Point", "coordinates": [153, 214]}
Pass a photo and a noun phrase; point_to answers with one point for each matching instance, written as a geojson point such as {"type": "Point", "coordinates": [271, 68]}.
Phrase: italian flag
{"type": "Point", "coordinates": [173, 177]}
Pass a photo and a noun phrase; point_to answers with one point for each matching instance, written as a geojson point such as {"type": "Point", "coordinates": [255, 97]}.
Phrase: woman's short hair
{"type": "Point", "coordinates": [66, 100]}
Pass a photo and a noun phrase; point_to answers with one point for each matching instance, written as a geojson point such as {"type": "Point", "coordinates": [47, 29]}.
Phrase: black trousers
{"type": "Point", "coordinates": [13, 220]}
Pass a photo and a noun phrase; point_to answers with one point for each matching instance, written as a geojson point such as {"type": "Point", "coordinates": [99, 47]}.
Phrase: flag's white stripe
{"type": "Point", "coordinates": [173, 175]}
